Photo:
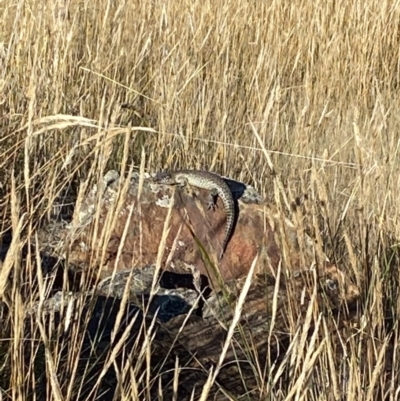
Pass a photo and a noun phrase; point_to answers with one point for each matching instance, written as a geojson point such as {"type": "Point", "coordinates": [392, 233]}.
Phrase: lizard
{"type": "Point", "coordinates": [212, 182]}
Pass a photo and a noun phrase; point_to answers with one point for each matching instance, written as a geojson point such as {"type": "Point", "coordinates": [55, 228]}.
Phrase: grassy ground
{"type": "Point", "coordinates": [305, 93]}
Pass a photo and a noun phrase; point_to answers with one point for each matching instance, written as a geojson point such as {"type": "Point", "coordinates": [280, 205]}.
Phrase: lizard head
{"type": "Point", "coordinates": [163, 177]}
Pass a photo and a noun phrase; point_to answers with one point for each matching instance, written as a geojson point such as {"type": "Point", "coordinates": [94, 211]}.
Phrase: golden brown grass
{"type": "Point", "coordinates": [297, 98]}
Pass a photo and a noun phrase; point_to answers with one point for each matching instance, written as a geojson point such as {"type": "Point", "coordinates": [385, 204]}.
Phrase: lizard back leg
{"type": "Point", "coordinates": [212, 199]}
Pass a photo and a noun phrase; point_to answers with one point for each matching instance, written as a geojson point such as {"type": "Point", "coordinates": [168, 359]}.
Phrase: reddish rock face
{"type": "Point", "coordinates": [129, 230]}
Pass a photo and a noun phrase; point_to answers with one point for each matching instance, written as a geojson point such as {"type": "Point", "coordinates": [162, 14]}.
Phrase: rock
{"type": "Point", "coordinates": [136, 285]}
{"type": "Point", "coordinates": [121, 224]}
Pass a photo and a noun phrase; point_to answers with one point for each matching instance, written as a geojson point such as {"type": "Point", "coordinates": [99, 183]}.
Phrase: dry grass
{"type": "Point", "coordinates": [308, 88]}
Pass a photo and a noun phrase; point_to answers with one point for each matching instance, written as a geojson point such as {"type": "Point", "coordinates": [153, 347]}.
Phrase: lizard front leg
{"type": "Point", "coordinates": [181, 182]}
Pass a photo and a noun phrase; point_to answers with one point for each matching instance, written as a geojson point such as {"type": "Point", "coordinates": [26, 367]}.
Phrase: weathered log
{"type": "Point", "coordinates": [274, 309]}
